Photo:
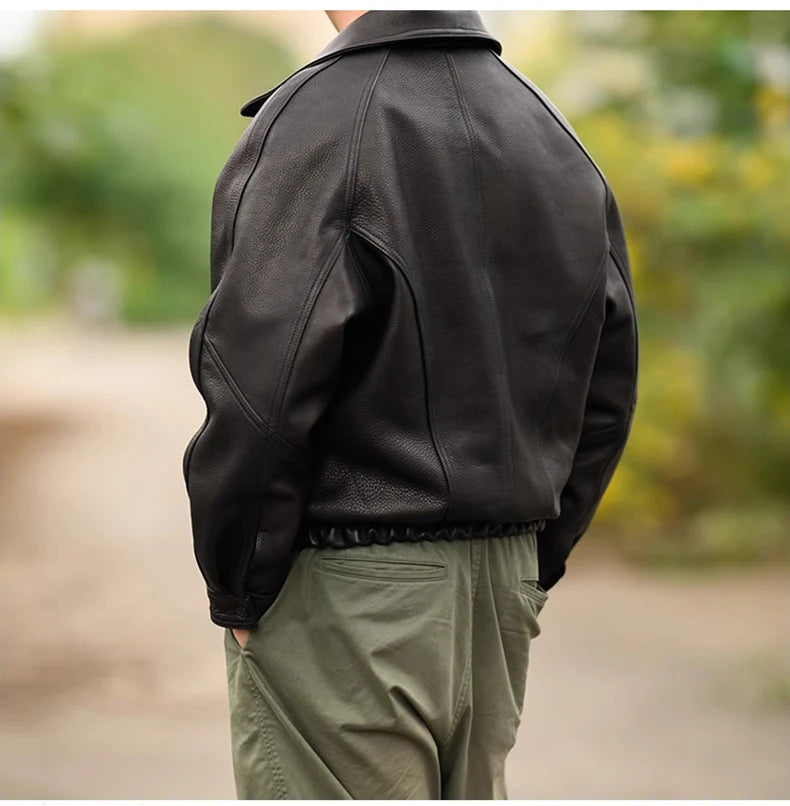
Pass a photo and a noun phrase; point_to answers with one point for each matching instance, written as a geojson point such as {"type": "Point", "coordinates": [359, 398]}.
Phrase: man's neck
{"type": "Point", "coordinates": [340, 19]}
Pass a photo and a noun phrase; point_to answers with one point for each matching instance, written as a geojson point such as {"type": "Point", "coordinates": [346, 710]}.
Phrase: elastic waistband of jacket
{"type": "Point", "coordinates": [343, 535]}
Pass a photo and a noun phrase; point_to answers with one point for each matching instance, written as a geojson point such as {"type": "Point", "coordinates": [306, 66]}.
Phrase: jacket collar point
{"type": "Point", "coordinates": [250, 109]}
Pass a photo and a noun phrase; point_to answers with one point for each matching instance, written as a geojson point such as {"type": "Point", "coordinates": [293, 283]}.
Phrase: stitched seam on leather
{"type": "Point", "coordinates": [257, 422]}
{"type": "Point", "coordinates": [400, 264]}
{"type": "Point", "coordinates": [458, 710]}
{"type": "Point", "coordinates": [619, 260]}
{"type": "Point", "coordinates": [554, 113]}
{"type": "Point", "coordinates": [362, 278]}
{"type": "Point", "coordinates": [616, 258]}
{"type": "Point", "coordinates": [207, 418]}
{"type": "Point", "coordinates": [248, 145]}
{"type": "Point", "coordinates": [325, 272]}
{"type": "Point", "coordinates": [297, 333]}
{"type": "Point", "coordinates": [265, 133]}
{"type": "Point", "coordinates": [482, 264]}
{"type": "Point", "coordinates": [596, 278]}
{"type": "Point", "coordinates": [230, 198]}
{"type": "Point", "coordinates": [191, 447]}
{"type": "Point", "coordinates": [193, 442]}
{"type": "Point", "coordinates": [265, 430]}
{"type": "Point", "coordinates": [356, 144]}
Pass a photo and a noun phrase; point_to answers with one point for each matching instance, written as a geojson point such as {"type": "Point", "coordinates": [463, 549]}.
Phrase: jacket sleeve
{"type": "Point", "coordinates": [264, 355]}
{"type": "Point", "coordinates": [608, 413]}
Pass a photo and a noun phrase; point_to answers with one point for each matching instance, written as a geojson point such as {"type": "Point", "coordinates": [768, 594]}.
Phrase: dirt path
{"type": "Point", "coordinates": [112, 678]}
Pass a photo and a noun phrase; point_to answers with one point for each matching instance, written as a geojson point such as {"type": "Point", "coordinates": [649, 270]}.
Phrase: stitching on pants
{"type": "Point", "coordinates": [268, 742]}
{"type": "Point", "coordinates": [410, 570]}
{"type": "Point", "coordinates": [468, 670]}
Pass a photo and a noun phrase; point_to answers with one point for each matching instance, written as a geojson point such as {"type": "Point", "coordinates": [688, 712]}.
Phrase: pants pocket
{"type": "Point", "coordinates": [394, 569]}
{"type": "Point", "coordinates": [518, 627]}
{"type": "Point", "coordinates": [532, 590]}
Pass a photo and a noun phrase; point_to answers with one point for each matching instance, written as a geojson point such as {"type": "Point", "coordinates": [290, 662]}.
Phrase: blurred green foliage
{"type": "Point", "coordinates": [110, 153]}
{"type": "Point", "coordinates": [111, 149]}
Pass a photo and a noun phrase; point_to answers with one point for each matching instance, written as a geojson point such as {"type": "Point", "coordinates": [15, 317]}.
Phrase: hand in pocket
{"type": "Point", "coordinates": [241, 636]}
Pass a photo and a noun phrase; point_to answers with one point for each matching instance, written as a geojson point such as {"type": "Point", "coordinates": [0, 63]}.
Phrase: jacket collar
{"type": "Point", "coordinates": [379, 27]}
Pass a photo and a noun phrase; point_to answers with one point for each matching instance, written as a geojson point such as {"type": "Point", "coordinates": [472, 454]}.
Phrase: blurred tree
{"type": "Point", "coordinates": [110, 152]}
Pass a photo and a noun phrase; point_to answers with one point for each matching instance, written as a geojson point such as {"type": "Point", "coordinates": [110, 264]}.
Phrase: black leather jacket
{"type": "Point", "coordinates": [421, 322]}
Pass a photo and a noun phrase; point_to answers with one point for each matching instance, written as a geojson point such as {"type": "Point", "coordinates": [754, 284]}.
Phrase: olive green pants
{"type": "Point", "coordinates": [387, 672]}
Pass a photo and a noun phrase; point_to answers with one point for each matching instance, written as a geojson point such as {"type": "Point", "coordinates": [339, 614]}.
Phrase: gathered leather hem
{"type": "Point", "coordinates": [343, 535]}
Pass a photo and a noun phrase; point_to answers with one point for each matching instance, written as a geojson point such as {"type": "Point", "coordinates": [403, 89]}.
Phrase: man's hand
{"type": "Point", "coordinates": [241, 636]}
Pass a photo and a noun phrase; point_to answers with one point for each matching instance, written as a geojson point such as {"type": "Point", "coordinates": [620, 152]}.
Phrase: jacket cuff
{"type": "Point", "coordinates": [239, 612]}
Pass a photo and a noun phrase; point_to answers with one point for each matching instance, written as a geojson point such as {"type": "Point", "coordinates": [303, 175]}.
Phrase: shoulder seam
{"type": "Point", "coordinates": [262, 140]}
{"type": "Point", "coordinates": [482, 238]}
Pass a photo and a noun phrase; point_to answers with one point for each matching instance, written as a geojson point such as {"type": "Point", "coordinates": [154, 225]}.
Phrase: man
{"type": "Point", "coordinates": [419, 364]}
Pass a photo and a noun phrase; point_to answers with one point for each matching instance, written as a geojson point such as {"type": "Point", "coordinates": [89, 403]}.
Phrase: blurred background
{"type": "Point", "coordinates": [663, 668]}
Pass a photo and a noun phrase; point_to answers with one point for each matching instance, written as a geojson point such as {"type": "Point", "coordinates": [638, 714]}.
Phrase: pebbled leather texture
{"type": "Point", "coordinates": [421, 321]}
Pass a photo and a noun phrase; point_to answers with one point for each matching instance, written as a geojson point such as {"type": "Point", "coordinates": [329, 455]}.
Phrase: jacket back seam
{"type": "Point", "coordinates": [400, 264]}
{"type": "Point", "coordinates": [482, 265]}
{"type": "Point", "coordinates": [356, 143]}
